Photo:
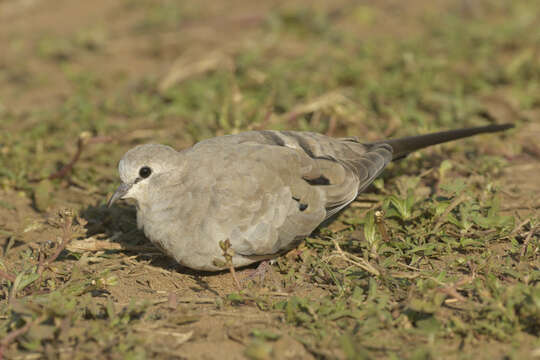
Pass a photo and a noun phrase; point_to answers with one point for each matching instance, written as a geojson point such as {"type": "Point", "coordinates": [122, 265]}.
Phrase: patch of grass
{"type": "Point", "coordinates": [427, 264]}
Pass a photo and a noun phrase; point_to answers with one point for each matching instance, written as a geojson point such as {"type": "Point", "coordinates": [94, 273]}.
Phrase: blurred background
{"type": "Point", "coordinates": [181, 71]}
{"type": "Point", "coordinates": [113, 74]}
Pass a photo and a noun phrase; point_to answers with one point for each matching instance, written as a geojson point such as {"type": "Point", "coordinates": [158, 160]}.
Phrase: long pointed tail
{"type": "Point", "coordinates": [404, 146]}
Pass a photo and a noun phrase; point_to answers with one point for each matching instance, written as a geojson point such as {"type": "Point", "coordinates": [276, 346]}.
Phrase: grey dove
{"type": "Point", "coordinates": [264, 191]}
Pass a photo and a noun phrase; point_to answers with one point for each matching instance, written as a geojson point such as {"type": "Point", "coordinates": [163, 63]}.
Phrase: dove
{"type": "Point", "coordinates": [259, 192]}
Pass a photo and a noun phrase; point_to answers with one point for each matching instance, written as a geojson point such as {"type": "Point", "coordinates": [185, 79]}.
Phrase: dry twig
{"type": "Point", "coordinates": [455, 203]}
{"type": "Point", "coordinates": [93, 244]}
{"type": "Point", "coordinates": [527, 240]}
{"type": "Point", "coordinates": [327, 100]}
{"type": "Point", "coordinates": [183, 68]}
{"type": "Point", "coordinates": [228, 254]}
{"type": "Point", "coordinates": [84, 139]}
{"type": "Point", "coordinates": [354, 260]}
{"type": "Point", "coordinates": [521, 224]}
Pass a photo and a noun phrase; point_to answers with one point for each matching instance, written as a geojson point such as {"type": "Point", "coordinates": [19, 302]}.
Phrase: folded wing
{"type": "Point", "coordinates": [299, 179]}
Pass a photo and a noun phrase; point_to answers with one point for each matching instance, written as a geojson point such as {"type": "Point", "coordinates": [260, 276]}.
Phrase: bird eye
{"type": "Point", "coordinates": [145, 172]}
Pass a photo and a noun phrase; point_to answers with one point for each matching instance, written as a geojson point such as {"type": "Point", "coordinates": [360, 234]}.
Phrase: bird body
{"type": "Point", "coordinates": [263, 191]}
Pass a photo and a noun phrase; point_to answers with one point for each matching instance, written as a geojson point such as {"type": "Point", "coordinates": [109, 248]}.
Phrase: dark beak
{"type": "Point", "coordinates": [119, 193]}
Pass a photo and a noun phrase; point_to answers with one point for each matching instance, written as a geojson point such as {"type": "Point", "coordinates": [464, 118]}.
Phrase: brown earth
{"type": "Point", "coordinates": [29, 82]}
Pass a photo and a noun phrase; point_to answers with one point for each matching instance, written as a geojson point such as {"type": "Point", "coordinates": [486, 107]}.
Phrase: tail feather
{"type": "Point", "coordinates": [404, 146]}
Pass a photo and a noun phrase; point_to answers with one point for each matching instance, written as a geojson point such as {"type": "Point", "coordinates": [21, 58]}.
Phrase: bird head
{"type": "Point", "coordinates": [139, 167]}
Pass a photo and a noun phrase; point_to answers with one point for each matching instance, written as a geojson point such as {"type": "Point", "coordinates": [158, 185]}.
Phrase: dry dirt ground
{"type": "Point", "coordinates": [126, 72]}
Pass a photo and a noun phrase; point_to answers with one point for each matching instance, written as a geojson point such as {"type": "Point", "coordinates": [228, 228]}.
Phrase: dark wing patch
{"type": "Point", "coordinates": [301, 206]}
{"type": "Point", "coordinates": [321, 180]}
